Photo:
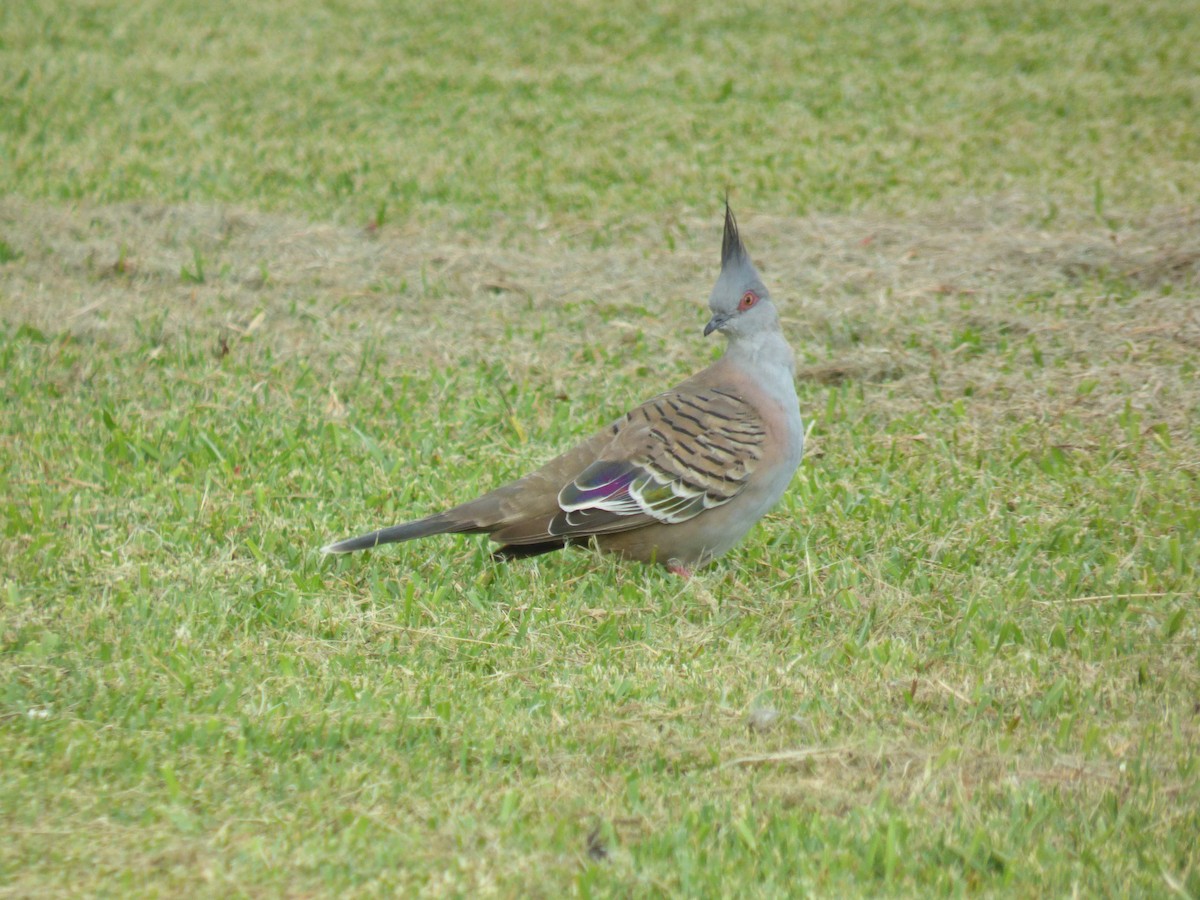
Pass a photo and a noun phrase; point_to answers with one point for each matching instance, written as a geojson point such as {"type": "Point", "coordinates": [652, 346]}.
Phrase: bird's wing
{"type": "Point", "coordinates": [681, 453]}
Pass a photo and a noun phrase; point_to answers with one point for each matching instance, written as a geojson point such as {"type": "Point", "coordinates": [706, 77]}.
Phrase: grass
{"type": "Point", "coordinates": [272, 280]}
{"type": "Point", "coordinates": [585, 117]}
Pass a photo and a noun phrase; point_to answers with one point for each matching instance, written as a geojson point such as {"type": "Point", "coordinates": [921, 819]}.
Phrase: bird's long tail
{"type": "Point", "coordinates": [442, 523]}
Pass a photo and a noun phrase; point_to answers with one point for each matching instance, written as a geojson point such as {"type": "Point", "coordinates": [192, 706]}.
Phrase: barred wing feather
{"type": "Point", "coordinates": [669, 460]}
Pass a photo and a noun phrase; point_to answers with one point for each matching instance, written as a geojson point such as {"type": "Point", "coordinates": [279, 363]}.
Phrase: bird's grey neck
{"type": "Point", "coordinates": [765, 348]}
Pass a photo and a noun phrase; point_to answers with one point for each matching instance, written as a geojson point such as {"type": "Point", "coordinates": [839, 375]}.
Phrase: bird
{"type": "Point", "coordinates": [677, 481]}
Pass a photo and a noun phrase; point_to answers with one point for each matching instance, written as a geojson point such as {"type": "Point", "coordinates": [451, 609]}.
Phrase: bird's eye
{"type": "Point", "coordinates": [748, 300]}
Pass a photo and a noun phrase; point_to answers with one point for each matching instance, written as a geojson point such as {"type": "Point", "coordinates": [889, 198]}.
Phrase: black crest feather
{"type": "Point", "coordinates": [732, 251]}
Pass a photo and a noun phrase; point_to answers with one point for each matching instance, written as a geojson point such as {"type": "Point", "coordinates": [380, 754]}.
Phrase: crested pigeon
{"type": "Point", "coordinates": [681, 478]}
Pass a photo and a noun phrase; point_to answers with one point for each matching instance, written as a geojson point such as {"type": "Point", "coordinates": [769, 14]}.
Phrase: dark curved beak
{"type": "Point", "coordinates": [715, 323]}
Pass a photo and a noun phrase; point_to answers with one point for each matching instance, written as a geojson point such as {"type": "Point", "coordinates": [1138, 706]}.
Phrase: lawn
{"type": "Point", "coordinates": [277, 275]}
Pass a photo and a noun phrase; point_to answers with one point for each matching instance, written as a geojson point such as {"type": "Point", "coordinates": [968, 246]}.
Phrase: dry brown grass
{"type": "Point", "coordinates": [866, 299]}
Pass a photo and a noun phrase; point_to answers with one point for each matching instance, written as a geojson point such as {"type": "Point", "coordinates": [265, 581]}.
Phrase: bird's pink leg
{"type": "Point", "coordinates": [680, 570]}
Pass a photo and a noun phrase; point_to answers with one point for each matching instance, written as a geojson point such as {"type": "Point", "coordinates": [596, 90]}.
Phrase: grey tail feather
{"type": "Point", "coordinates": [732, 250]}
{"type": "Point", "coordinates": [441, 523]}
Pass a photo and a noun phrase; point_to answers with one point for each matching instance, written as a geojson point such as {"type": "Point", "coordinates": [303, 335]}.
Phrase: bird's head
{"type": "Point", "coordinates": [739, 302]}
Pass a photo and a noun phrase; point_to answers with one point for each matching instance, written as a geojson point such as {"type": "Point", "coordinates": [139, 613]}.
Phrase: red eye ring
{"type": "Point", "coordinates": [748, 300]}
